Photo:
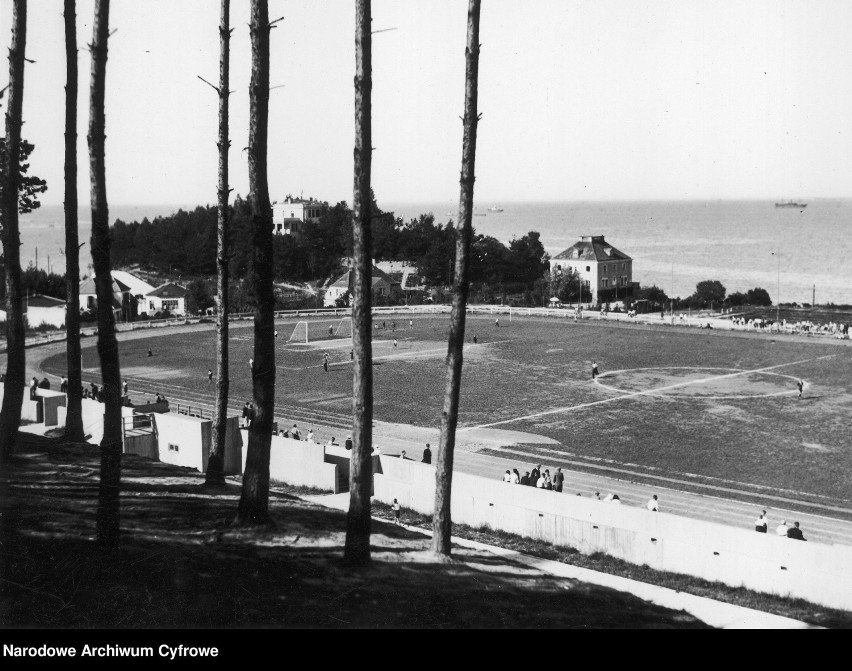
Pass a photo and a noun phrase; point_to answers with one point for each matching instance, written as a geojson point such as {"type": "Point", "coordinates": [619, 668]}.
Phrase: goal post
{"type": "Point", "coordinates": [313, 331]}
{"type": "Point", "coordinates": [344, 328]}
{"type": "Point", "coordinates": [300, 333]}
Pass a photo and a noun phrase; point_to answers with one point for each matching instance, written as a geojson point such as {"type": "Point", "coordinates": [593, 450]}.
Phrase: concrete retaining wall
{"type": "Point", "coordinates": [739, 557]}
{"type": "Point", "coordinates": [298, 463]}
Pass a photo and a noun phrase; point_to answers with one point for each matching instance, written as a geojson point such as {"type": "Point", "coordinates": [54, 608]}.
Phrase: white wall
{"type": "Point", "coordinates": [740, 557]}
{"type": "Point", "coordinates": [297, 462]}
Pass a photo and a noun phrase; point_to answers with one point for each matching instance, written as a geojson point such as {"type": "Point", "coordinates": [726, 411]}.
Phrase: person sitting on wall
{"type": "Point", "coordinates": [795, 532]}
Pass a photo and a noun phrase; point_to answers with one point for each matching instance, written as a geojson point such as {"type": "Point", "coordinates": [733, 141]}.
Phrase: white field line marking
{"type": "Point", "coordinates": [647, 392]}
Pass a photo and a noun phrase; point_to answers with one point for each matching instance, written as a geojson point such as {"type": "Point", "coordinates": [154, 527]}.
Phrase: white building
{"type": "Point", "coordinates": [287, 215]}
{"type": "Point", "coordinates": [168, 297]}
{"type": "Point", "coordinates": [40, 310]}
{"type": "Point", "coordinates": [605, 271]}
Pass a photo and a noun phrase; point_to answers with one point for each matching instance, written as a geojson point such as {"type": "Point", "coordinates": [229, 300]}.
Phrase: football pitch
{"type": "Point", "coordinates": [686, 404]}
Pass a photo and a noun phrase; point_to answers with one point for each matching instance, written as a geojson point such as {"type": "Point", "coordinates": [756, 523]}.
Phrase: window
{"type": "Point", "coordinates": [90, 301]}
{"type": "Point", "coordinates": [170, 305]}
{"type": "Point", "coordinates": [588, 269]}
{"type": "Point", "coordinates": [624, 266]}
{"type": "Point", "coordinates": [605, 282]}
{"type": "Point", "coordinates": [604, 268]}
{"type": "Point", "coordinates": [174, 447]}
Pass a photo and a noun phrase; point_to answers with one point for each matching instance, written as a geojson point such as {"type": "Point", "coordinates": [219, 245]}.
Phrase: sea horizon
{"type": "Point", "coordinates": [674, 243]}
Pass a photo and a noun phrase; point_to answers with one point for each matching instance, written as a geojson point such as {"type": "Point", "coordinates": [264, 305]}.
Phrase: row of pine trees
{"type": "Point", "coordinates": [253, 508]}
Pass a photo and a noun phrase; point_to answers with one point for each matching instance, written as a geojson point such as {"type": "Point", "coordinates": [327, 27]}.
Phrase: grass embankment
{"type": "Point", "coordinates": [181, 563]}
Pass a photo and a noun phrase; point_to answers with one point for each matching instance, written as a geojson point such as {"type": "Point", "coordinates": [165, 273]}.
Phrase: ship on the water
{"type": "Point", "coordinates": [791, 203]}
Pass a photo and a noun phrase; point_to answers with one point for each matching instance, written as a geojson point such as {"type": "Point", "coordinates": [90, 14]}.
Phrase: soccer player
{"type": "Point", "coordinates": [594, 369]}
{"type": "Point", "coordinates": [394, 343]}
{"type": "Point", "coordinates": [497, 323]}
{"type": "Point", "coordinates": [210, 375]}
{"type": "Point", "coordinates": [410, 324]}
{"type": "Point", "coordinates": [800, 385]}
{"type": "Point", "coordinates": [325, 362]}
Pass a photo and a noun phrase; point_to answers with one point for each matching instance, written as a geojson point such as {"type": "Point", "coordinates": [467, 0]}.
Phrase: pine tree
{"type": "Point", "coordinates": [357, 548]}
{"type": "Point", "coordinates": [441, 520]}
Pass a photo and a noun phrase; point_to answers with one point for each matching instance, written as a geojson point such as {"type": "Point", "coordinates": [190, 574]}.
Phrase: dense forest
{"type": "Point", "coordinates": [185, 242]}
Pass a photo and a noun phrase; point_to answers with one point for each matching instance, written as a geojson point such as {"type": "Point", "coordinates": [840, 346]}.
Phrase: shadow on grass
{"type": "Point", "coordinates": [182, 565]}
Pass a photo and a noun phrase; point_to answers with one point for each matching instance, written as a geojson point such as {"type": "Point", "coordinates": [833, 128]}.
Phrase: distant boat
{"type": "Point", "coordinates": [495, 209]}
{"type": "Point", "coordinates": [790, 203]}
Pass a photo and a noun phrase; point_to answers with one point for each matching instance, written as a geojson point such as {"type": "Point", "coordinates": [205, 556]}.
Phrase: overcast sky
{"type": "Point", "coordinates": [580, 100]}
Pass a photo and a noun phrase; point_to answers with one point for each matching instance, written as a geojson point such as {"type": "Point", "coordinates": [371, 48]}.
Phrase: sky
{"type": "Point", "coordinates": [580, 100]}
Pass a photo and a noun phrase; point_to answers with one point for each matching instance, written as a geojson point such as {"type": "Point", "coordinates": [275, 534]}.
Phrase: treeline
{"type": "Point", "coordinates": [185, 242]}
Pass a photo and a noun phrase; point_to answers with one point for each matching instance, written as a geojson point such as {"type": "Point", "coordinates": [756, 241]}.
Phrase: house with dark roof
{"type": "Point", "coordinates": [384, 288]}
{"type": "Point", "coordinates": [604, 270]}
{"type": "Point", "coordinates": [168, 297]}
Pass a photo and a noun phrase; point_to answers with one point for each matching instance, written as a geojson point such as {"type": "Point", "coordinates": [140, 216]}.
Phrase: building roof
{"type": "Point", "coordinates": [592, 248]}
{"type": "Point", "coordinates": [137, 286]}
{"type": "Point", "coordinates": [169, 290]}
{"type": "Point", "coordinates": [39, 301]}
{"type": "Point", "coordinates": [88, 287]}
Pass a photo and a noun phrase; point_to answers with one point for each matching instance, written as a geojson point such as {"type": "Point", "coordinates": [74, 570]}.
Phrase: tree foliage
{"type": "Point", "coordinates": [708, 292]}
{"type": "Point", "coordinates": [29, 186]}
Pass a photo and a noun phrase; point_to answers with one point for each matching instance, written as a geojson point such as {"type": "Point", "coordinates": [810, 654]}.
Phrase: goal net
{"type": "Point", "coordinates": [312, 331]}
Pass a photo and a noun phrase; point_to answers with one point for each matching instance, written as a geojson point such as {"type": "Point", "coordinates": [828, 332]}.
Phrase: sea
{"type": "Point", "coordinates": [800, 255]}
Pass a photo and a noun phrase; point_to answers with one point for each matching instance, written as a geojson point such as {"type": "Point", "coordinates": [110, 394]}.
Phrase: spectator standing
{"type": "Point", "coordinates": [761, 524]}
{"type": "Point", "coordinates": [558, 479]}
{"type": "Point", "coordinates": [124, 387]}
{"type": "Point", "coordinates": [33, 387]}
{"type": "Point", "coordinates": [245, 411]}
{"type": "Point", "coordinates": [348, 443]}
{"type": "Point", "coordinates": [427, 455]}
{"type": "Point", "coordinates": [396, 509]}
{"type": "Point", "coordinates": [516, 477]}
{"type": "Point", "coordinates": [63, 386]}
{"type": "Point", "coordinates": [535, 474]}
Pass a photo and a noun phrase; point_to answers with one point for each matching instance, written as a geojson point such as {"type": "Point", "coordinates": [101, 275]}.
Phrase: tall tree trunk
{"type": "Point", "coordinates": [10, 415]}
{"type": "Point", "coordinates": [108, 501]}
{"type": "Point", "coordinates": [74, 412]}
{"type": "Point", "coordinates": [441, 519]}
{"type": "Point", "coordinates": [357, 548]}
{"type": "Point", "coordinates": [254, 502]}
{"type": "Point", "coordinates": [215, 464]}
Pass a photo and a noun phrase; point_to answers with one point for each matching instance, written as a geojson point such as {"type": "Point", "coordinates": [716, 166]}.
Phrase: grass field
{"type": "Point", "coordinates": [689, 404]}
